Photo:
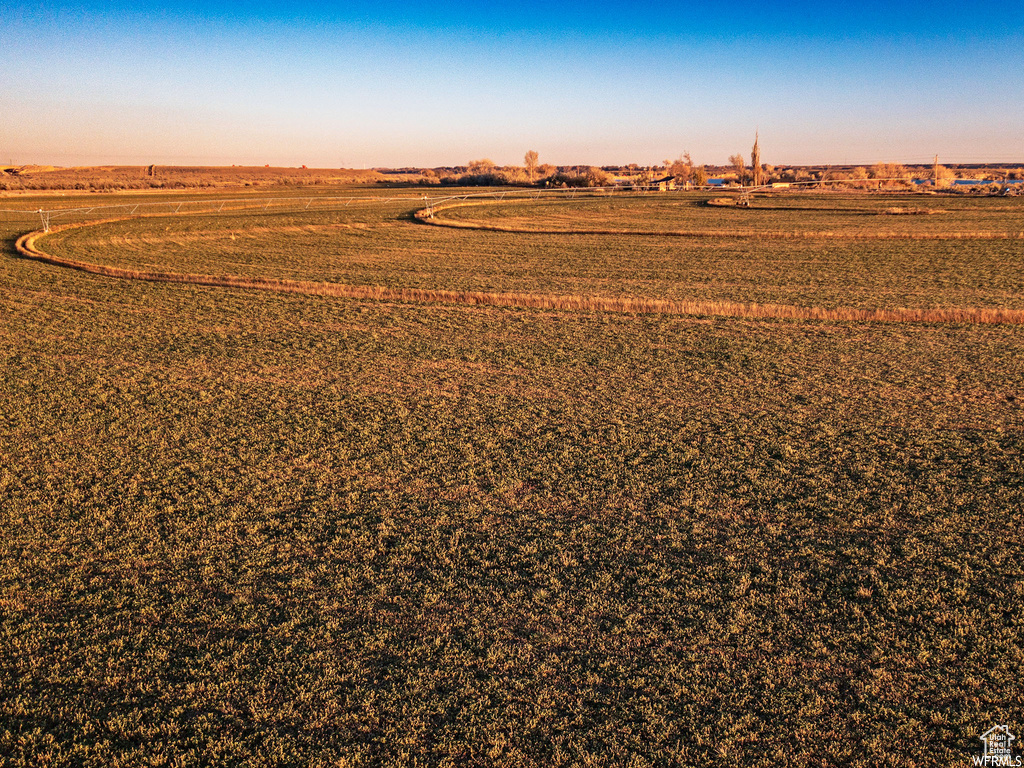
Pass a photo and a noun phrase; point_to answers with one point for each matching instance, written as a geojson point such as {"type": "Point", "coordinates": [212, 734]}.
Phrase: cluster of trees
{"type": "Point", "coordinates": [485, 173]}
{"type": "Point", "coordinates": [758, 173]}
{"type": "Point", "coordinates": [580, 176]}
{"type": "Point", "coordinates": [685, 171]}
{"type": "Point", "coordinates": [879, 173]}
{"type": "Point", "coordinates": [887, 174]}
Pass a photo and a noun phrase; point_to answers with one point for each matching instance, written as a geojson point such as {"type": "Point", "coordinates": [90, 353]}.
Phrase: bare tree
{"type": "Point", "coordinates": [480, 167]}
{"type": "Point", "coordinates": [943, 176]}
{"type": "Point", "coordinates": [682, 168]}
{"type": "Point", "coordinates": [737, 162]}
{"type": "Point", "coordinates": [889, 172]}
{"type": "Point", "coordinates": [531, 163]}
{"type": "Point", "coordinates": [858, 176]}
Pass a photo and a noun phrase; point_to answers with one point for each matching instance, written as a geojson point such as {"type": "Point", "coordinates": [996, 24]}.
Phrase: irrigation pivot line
{"type": "Point", "coordinates": [210, 205]}
{"type": "Point", "coordinates": [216, 205]}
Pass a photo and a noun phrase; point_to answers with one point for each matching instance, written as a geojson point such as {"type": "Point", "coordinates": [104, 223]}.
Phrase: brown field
{"type": "Point", "coordinates": [445, 496]}
{"type": "Point", "coordinates": [27, 246]}
{"type": "Point", "coordinates": [110, 178]}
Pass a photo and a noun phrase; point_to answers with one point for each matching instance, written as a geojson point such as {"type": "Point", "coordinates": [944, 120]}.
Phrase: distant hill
{"type": "Point", "coordinates": [119, 177]}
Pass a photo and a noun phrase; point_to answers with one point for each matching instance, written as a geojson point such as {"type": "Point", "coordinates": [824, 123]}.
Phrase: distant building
{"type": "Point", "coordinates": [666, 184]}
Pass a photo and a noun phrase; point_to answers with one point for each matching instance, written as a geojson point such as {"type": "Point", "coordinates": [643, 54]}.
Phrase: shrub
{"type": "Point", "coordinates": [588, 177]}
{"type": "Point", "coordinates": [892, 172]}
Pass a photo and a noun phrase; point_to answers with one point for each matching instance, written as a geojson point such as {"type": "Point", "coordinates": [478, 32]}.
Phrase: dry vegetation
{"type": "Point", "coordinates": [377, 245]}
{"type": "Point", "coordinates": [27, 246]}
{"type": "Point", "coordinates": [264, 528]}
{"type": "Point", "coordinates": [762, 217]}
{"type": "Point", "coordinates": [911, 211]}
{"type": "Point", "coordinates": [120, 178]}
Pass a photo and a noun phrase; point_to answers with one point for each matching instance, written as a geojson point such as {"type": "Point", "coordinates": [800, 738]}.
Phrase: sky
{"type": "Point", "coordinates": [427, 84]}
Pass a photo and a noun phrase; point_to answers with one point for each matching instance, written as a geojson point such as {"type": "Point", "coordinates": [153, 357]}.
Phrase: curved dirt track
{"type": "Point", "coordinates": [28, 248]}
{"type": "Point", "coordinates": [428, 216]}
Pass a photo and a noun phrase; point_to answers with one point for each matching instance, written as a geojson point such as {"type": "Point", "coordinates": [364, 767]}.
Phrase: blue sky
{"type": "Point", "coordinates": [390, 84]}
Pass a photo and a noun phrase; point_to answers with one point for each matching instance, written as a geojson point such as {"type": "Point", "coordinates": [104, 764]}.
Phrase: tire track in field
{"type": "Point", "coordinates": [28, 248]}
{"type": "Point", "coordinates": [429, 216]}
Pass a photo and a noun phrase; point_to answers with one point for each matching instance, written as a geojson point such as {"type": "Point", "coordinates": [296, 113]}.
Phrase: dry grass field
{"type": "Point", "coordinates": [114, 178]}
{"type": "Point", "coordinates": [969, 257]}
{"type": "Point", "coordinates": [260, 527]}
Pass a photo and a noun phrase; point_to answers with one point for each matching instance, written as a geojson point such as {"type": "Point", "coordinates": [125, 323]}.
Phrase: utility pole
{"type": "Point", "coordinates": [935, 172]}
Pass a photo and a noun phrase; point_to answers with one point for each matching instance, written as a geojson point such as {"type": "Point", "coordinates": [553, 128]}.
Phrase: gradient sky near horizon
{"type": "Point", "coordinates": [364, 84]}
